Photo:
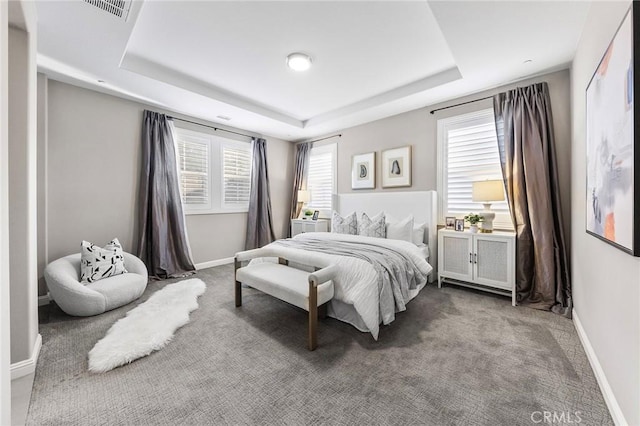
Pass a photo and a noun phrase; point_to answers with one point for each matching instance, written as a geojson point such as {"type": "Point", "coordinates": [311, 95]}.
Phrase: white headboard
{"type": "Point", "coordinates": [423, 205]}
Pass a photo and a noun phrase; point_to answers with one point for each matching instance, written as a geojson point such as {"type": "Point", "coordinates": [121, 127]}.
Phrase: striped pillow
{"type": "Point", "coordinates": [97, 263]}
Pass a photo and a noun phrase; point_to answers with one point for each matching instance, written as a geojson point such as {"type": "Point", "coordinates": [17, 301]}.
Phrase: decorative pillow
{"type": "Point", "coordinates": [418, 233]}
{"type": "Point", "coordinates": [374, 227]}
{"type": "Point", "coordinates": [402, 230]}
{"type": "Point", "coordinates": [344, 225]}
{"type": "Point", "coordinates": [97, 263]}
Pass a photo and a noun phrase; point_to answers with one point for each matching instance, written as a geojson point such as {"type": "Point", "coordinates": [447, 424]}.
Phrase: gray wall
{"type": "Point", "coordinates": [22, 194]}
{"type": "Point", "coordinates": [606, 281]}
{"type": "Point", "coordinates": [18, 200]}
{"type": "Point", "coordinates": [42, 180]}
{"type": "Point", "coordinates": [5, 279]}
{"type": "Point", "coordinates": [93, 170]}
{"type": "Point", "coordinates": [418, 128]}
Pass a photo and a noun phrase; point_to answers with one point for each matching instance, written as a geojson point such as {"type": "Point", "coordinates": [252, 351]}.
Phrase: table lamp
{"type": "Point", "coordinates": [486, 192]}
{"type": "Point", "coordinates": [303, 197]}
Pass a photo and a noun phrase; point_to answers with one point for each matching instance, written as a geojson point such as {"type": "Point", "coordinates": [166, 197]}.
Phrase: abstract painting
{"type": "Point", "coordinates": [363, 171]}
{"type": "Point", "coordinates": [396, 167]}
{"type": "Point", "coordinates": [612, 151]}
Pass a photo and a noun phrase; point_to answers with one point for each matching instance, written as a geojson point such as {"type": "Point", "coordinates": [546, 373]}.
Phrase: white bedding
{"type": "Point", "coordinates": [356, 298]}
{"type": "Point", "coordinates": [424, 251]}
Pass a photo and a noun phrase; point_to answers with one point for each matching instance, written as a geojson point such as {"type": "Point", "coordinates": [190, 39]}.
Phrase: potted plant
{"type": "Point", "coordinates": [473, 220]}
{"type": "Point", "coordinates": [308, 214]}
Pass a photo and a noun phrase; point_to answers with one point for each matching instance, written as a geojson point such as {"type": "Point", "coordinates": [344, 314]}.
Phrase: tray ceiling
{"type": "Point", "coordinates": [370, 59]}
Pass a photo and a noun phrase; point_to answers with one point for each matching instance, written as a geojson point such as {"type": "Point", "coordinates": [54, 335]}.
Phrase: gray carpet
{"type": "Point", "coordinates": [454, 357]}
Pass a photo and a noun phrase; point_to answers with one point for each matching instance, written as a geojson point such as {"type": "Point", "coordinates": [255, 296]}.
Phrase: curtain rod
{"type": "Point", "coordinates": [211, 127]}
{"type": "Point", "coordinates": [461, 103]}
{"type": "Point", "coordinates": [338, 135]}
{"type": "Point", "coordinates": [241, 134]}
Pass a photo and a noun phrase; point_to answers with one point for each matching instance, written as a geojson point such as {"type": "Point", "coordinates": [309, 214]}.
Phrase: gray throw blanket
{"type": "Point", "coordinates": [396, 273]}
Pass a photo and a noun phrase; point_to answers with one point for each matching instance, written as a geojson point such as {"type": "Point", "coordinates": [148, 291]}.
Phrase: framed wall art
{"type": "Point", "coordinates": [613, 154]}
{"type": "Point", "coordinates": [363, 171]}
{"type": "Point", "coordinates": [396, 167]}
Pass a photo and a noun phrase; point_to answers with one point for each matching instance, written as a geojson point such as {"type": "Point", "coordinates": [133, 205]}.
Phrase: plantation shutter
{"type": "Point", "coordinates": [193, 158]}
{"type": "Point", "coordinates": [320, 181]}
{"type": "Point", "coordinates": [236, 175]}
{"type": "Point", "coordinates": [471, 154]}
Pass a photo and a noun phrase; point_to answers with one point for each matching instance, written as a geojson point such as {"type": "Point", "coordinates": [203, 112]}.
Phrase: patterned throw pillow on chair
{"type": "Point", "coordinates": [97, 263]}
{"type": "Point", "coordinates": [344, 225]}
{"type": "Point", "coordinates": [374, 227]}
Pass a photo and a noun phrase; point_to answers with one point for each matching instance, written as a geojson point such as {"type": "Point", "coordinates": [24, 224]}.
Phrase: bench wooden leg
{"type": "Point", "coordinates": [238, 294]}
{"type": "Point", "coordinates": [238, 285]}
{"type": "Point", "coordinates": [313, 328]}
{"type": "Point", "coordinates": [322, 311]}
{"type": "Point", "coordinates": [313, 316]}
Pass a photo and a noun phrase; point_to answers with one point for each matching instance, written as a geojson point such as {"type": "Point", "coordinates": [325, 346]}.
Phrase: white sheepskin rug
{"type": "Point", "coordinates": [147, 328]}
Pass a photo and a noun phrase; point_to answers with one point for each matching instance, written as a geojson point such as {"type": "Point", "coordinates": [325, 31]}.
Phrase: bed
{"type": "Point", "coordinates": [362, 298]}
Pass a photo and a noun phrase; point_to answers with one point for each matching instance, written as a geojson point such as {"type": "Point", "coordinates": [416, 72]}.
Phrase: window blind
{"type": "Point", "coordinates": [320, 181]}
{"type": "Point", "coordinates": [193, 158]}
{"type": "Point", "coordinates": [471, 154]}
{"type": "Point", "coordinates": [215, 172]}
{"type": "Point", "coordinates": [236, 175]}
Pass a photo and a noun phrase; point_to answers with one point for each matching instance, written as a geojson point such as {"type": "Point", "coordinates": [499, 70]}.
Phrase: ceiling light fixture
{"type": "Point", "coordinates": [299, 61]}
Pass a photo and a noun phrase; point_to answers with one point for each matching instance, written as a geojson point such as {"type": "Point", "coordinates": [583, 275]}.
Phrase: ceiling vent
{"type": "Point", "coordinates": [119, 8]}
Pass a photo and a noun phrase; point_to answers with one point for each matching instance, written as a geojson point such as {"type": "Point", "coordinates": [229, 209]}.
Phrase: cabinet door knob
{"type": "Point", "coordinates": [470, 258]}
{"type": "Point", "coordinates": [475, 258]}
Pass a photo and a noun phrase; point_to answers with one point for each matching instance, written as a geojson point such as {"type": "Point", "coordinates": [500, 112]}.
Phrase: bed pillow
{"type": "Point", "coordinates": [418, 233]}
{"type": "Point", "coordinates": [374, 227]}
{"type": "Point", "coordinates": [400, 230]}
{"type": "Point", "coordinates": [344, 225]}
{"type": "Point", "coordinates": [97, 263]}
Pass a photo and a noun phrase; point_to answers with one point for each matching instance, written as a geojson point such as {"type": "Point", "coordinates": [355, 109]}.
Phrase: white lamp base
{"type": "Point", "coordinates": [487, 219]}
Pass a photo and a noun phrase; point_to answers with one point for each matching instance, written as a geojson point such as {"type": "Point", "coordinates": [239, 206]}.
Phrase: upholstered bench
{"type": "Point", "coordinates": [307, 290]}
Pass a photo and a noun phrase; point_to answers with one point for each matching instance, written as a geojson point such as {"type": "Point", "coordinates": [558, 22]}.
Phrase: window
{"type": "Point", "coordinates": [193, 158]}
{"type": "Point", "coordinates": [321, 181]}
{"type": "Point", "coordinates": [468, 152]}
{"type": "Point", "coordinates": [236, 175]}
{"type": "Point", "coordinates": [215, 172]}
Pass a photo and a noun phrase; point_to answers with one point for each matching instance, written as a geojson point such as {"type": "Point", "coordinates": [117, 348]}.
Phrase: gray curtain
{"type": "Point", "coordinates": [259, 219]}
{"type": "Point", "coordinates": [163, 244]}
{"type": "Point", "coordinates": [301, 165]}
{"type": "Point", "coordinates": [527, 148]}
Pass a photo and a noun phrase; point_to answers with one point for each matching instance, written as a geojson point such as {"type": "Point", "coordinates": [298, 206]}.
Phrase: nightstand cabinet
{"type": "Point", "coordinates": [482, 261]}
{"type": "Point", "coordinates": [300, 226]}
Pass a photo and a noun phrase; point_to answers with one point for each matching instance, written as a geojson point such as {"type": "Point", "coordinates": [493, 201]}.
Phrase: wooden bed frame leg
{"type": "Point", "coordinates": [313, 316]}
{"type": "Point", "coordinates": [237, 265]}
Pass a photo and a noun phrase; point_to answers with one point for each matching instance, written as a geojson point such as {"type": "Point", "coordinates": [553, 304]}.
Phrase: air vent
{"type": "Point", "coordinates": [119, 8]}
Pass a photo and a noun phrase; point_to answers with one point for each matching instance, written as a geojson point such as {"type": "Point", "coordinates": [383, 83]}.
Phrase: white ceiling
{"type": "Point", "coordinates": [370, 59]}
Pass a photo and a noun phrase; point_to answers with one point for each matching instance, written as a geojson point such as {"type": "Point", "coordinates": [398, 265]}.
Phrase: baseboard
{"type": "Point", "coordinates": [213, 263]}
{"type": "Point", "coordinates": [607, 392]}
{"type": "Point", "coordinates": [44, 300]}
{"type": "Point", "coordinates": [27, 366]}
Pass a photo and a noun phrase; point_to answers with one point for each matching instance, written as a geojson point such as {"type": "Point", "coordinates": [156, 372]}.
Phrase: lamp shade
{"type": "Point", "coordinates": [303, 196]}
{"type": "Point", "coordinates": [488, 190]}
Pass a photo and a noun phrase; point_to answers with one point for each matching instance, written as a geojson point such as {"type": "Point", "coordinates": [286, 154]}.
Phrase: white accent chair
{"type": "Point", "coordinates": [87, 299]}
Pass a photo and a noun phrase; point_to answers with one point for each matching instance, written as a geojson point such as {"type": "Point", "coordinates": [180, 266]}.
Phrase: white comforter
{"type": "Point", "coordinates": [357, 280]}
